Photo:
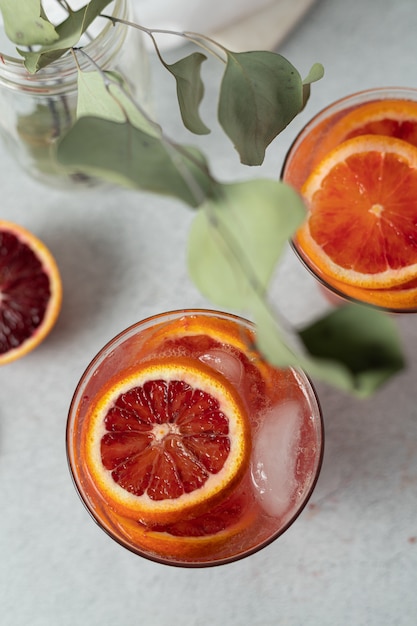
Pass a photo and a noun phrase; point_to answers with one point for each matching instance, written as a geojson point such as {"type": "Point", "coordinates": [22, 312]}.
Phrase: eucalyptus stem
{"type": "Point", "coordinates": [195, 38]}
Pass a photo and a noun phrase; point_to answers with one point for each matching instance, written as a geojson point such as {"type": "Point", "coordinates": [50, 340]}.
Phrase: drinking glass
{"type": "Point", "coordinates": [285, 431]}
{"type": "Point", "coordinates": [312, 144]}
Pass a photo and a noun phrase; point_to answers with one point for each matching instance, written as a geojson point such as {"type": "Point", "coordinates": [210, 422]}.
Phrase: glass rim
{"type": "Point", "coordinates": [344, 296]}
{"type": "Point", "coordinates": [313, 399]}
{"type": "Point", "coordinates": [64, 69]}
{"type": "Point", "coordinates": [338, 105]}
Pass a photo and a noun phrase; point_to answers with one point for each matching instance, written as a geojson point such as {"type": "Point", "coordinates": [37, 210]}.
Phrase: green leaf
{"type": "Point", "coordinates": [125, 155]}
{"type": "Point", "coordinates": [25, 23]}
{"type": "Point", "coordinates": [315, 74]}
{"type": "Point", "coordinates": [105, 95]}
{"type": "Point", "coordinates": [363, 339]}
{"type": "Point", "coordinates": [282, 347]}
{"type": "Point", "coordinates": [69, 33]}
{"type": "Point", "coordinates": [261, 92]}
{"type": "Point", "coordinates": [355, 349]}
{"type": "Point", "coordinates": [190, 90]}
{"type": "Point", "coordinates": [238, 236]}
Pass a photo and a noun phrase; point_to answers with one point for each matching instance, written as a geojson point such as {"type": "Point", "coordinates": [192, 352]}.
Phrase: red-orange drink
{"type": "Point", "coordinates": [186, 447]}
{"type": "Point", "coordinates": [323, 165]}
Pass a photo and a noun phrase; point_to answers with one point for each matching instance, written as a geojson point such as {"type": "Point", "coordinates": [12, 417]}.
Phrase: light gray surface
{"type": "Point", "coordinates": [351, 558]}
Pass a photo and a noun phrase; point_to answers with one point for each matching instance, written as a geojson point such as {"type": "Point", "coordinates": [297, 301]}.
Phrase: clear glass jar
{"type": "Point", "coordinates": [37, 109]}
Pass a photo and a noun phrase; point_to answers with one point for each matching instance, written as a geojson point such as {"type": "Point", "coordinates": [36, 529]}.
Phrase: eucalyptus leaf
{"type": "Point", "coordinates": [316, 73]}
{"type": "Point", "coordinates": [261, 92]}
{"type": "Point", "coordinates": [279, 347]}
{"type": "Point", "coordinates": [354, 348]}
{"type": "Point", "coordinates": [238, 236]}
{"type": "Point", "coordinates": [190, 91]}
{"type": "Point", "coordinates": [25, 23]}
{"type": "Point", "coordinates": [69, 34]}
{"type": "Point", "coordinates": [125, 155]}
{"type": "Point", "coordinates": [283, 348]}
{"type": "Point", "coordinates": [106, 95]}
{"type": "Point", "coordinates": [363, 339]}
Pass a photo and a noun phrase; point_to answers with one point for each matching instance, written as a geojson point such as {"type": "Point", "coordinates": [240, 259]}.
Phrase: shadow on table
{"type": "Point", "coordinates": [92, 265]}
{"type": "Point", "coordinates": [370, 445]}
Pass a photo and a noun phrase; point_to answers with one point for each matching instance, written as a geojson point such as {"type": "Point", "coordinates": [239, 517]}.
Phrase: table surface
{"type": "Point", "coordinates": [351, 558]}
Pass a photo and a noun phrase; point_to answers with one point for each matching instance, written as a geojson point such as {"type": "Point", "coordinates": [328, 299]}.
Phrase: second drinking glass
{"type": "Point", "coordinates": [355, 164]}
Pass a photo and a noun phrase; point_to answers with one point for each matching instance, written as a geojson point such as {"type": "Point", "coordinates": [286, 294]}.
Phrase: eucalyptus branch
{"type": "Point", "coordinates": [238, 236]}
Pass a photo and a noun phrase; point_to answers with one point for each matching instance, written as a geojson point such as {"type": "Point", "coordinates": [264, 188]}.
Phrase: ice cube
{"type": "Point", "coordinates": [275, 456]}
{"type": "Point", "coordinates": [225, 363]}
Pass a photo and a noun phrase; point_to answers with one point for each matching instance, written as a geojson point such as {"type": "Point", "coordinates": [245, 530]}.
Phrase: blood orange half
{"type": "Point", "coordinates": [362, 213]}
{"type": "Point", "coordinates": [167, 441]}
{"type": "Point", "coordinates": [30, 291]}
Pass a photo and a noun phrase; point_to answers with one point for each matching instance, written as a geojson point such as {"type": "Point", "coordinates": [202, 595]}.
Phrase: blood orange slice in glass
{"type": "Point", "coordinates": [225, 346]}
{"type": "Point", "coordinates": [389, 117]}
{"type": "Point", "coordinates": [393, 118]}
{"type": "Point", "coordinates": [398, 298]}
{"type": "Point", "coordinates": [362, 213]}
{"type": "Point", "coordinates": [30, 291]}
{"type": "Point", "coordinates": [219, 531]}
{"type": "Point", "coordinates": [167, 441]}
{"type": "Point", "coordinates": [198, 333]}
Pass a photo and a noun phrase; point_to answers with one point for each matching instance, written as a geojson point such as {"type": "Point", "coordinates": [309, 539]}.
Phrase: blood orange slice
{"type": "Point", "coordinates": [393, 118]}
{"type": "Point", "coordinates": [362, 213]}
{"type": "Point", "coordinates": [30, 291]}
{"type": "Point", "coordinates": [226, 346]}
{"type": "Point", "coordinates": [213, 535]}
{"type": "Point", "coordinates": [398, 298]}
{"type": "Point", "coordinates": [199, 333]}
{"type": "Point", "coordinates": [167, 441]}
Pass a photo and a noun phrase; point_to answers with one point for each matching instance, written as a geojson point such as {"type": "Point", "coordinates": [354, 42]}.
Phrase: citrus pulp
{"type": "Point", "coordinates": [362, 211]}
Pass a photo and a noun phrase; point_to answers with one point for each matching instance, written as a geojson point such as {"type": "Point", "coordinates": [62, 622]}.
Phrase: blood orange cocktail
{"type": "Point", "coordinates": [355, 163]}
{"type": "Point", "coordinates": [186, 447]}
